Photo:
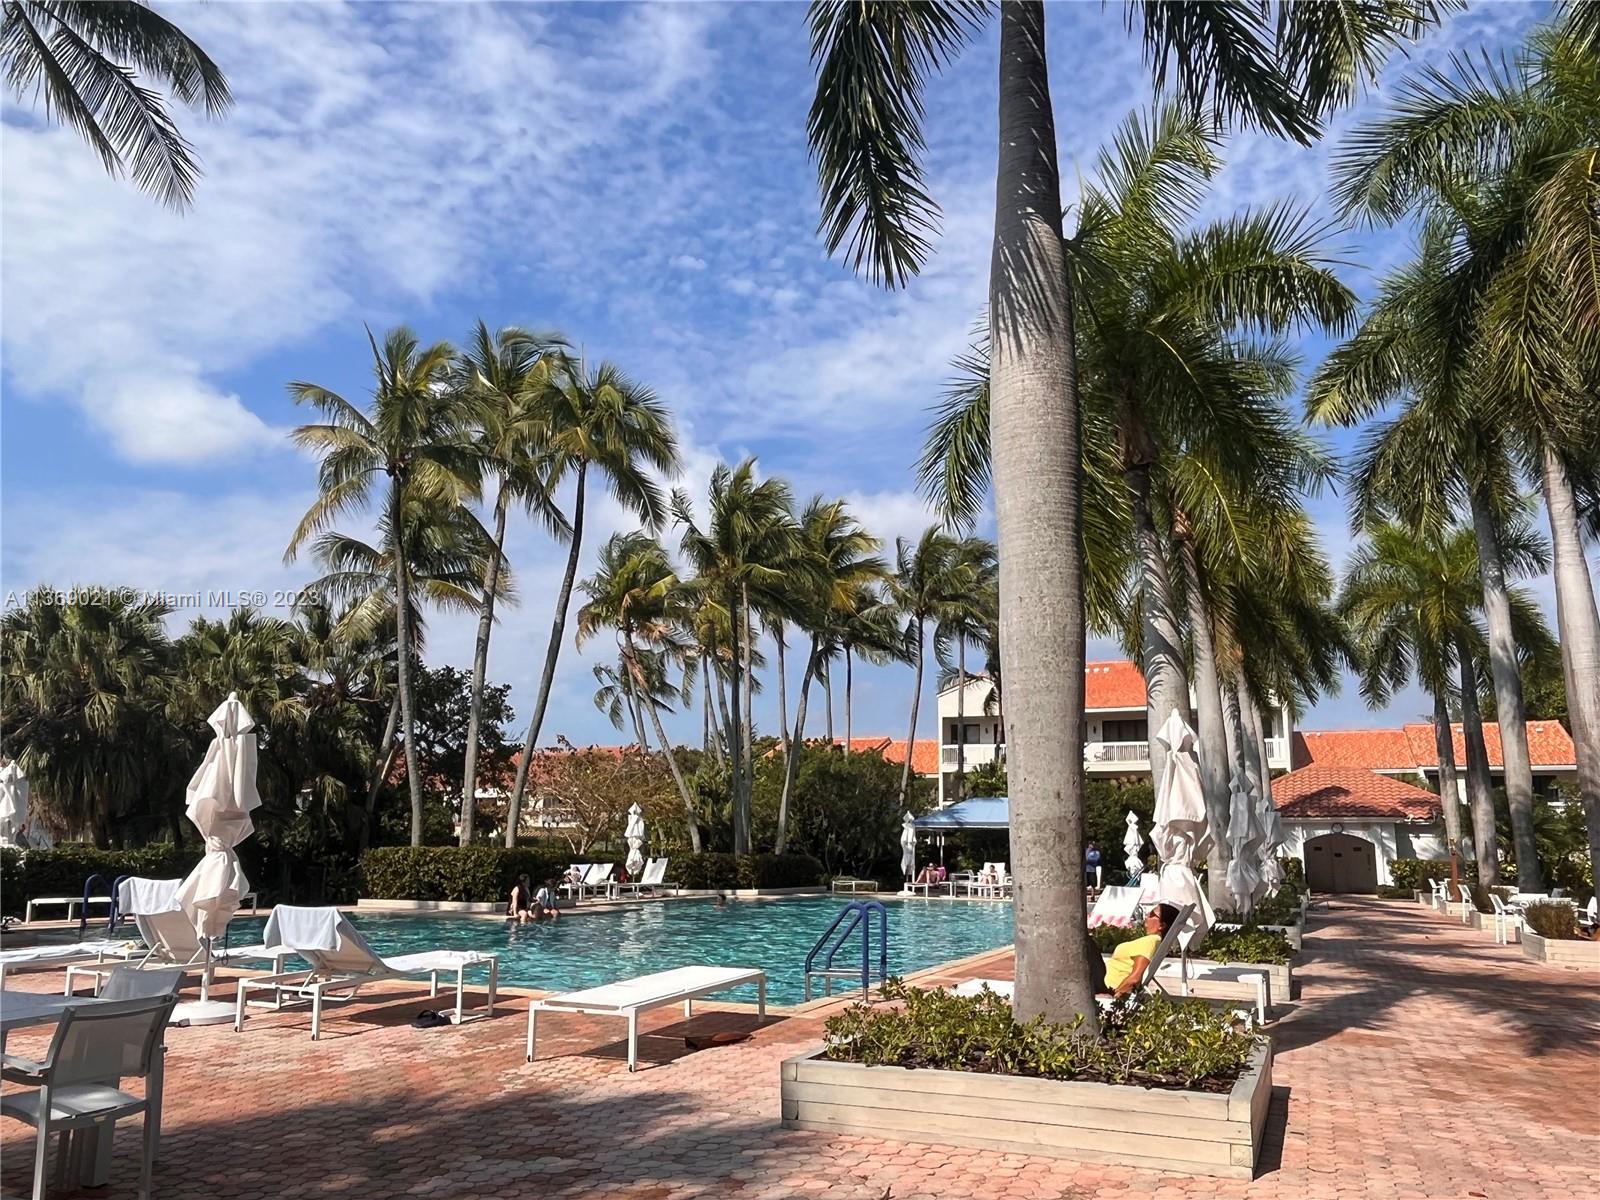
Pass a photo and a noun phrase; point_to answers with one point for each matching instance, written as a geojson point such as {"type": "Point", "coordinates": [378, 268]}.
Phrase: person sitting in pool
{"type": "Point", "coordinates": [544, 903]}
{"type": "Point", "coordinates": [521, 906]}
{"type": "Point", "coordinates": [1129, 961]}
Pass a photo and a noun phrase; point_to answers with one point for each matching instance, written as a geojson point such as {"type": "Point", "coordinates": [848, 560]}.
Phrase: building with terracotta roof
{"type": "Point", "coordinates": [1348, 824]}
{"type": "Point", "coordinates": [1411, 750]}
{"type": "Point", "coordinates": [1116, 736]}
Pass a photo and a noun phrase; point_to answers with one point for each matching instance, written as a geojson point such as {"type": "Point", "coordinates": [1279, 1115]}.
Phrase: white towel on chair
{"type": "Point", "coordinates": [138, 897]}
{"type": "Point", "coordinates": [302, 928]}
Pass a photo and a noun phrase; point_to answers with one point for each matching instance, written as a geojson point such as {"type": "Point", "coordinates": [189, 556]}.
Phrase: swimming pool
{"type": "Point", "coordinates": [593, 948]}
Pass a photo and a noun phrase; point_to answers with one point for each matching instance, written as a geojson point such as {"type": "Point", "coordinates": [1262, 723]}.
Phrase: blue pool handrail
{"type": "Point", "coordinates": [88, 890]}
{"type": "Point", "coordinates": [856, 914]}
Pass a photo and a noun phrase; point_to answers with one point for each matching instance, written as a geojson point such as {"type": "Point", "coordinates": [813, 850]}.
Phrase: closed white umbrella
{"type": "Point", "coordinates": [908, 847]}
{"type": "Point", "coordinates": [222, 796]}
{"type": "Point", "coordinates": [1271, 826]}
{"type": "Point", "coordinates": [634, 832]}
{"type": "Point", "coordinates": [1133, 842]}
{"type": "Point", "coordinates": [1244, 836]}
{"type": "Point", "coordinates": [1182, 835]}
{"type": "Point", "coordinates": [13, 803]}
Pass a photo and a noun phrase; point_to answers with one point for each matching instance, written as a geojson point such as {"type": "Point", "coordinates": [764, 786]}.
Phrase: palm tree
{"type": "Point", "coordinates": [865, 130]}
{"type": "Point", "coordinates": [607, 423]}
{"type": "Point", "coordinates": [414, 434]}
{"type": "Point", "coordinates": [832, 563]}
{"type": "Point", "coordinates": [635, 592]}
{"type": "Point", "coordinates": [928, 577]}
{"type": "Point", "coordinates": [867, 630]}
{"type": "Point", "coordinates": [744, 549]}
{"type": "Point", "coordinates": [961, 622]}
{"type": "Point", "coordinates": [84, 60]}
{"type": "Point", "coordinates": [81, 702]}
{"type": "Point", "coordinates": [507, 375]}
{"type": "Point", "coordinates": [1499, 164]}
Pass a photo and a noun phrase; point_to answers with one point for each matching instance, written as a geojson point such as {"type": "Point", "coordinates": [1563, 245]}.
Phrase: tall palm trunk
{"type": "Point", "coordinates": [1034, 444]}
{"type": "Point", "coordinates": [791, 765]}
{"type": "Point", "coordinates": [1449, 794]}
{"type": "Point", "coordinates": [783, 697]}
{"type": "Point", "coordinates": [961, 722]}
{"type": "Point", "coordinates": [725, 712]}
{"type": "Point", "coordinates": [1480, 787]}
{"type": "Point", "coordinates": [1249, 750]}
{"type": "Point", "coordinates": [1579, 626]}
{"type": "Point", "coordinates": [1257, 726]}
{"type": "Point", "coordinates": [916, 703]}
{"type": "Point", "coordinates": [741, 828]}
{"type": "Point", "coordinates": [747, 750]}
{"type": "Point", "coordinates": [1166, 681]}
{"type": "Point", "coordinates": [849, 685]}
{"type": "Point", "coordinates": [637, 675]}
{"type": "Point", "coordinates": [630, 694]}
{"type": "Point", "coordinates": [827, 689]}
{"type": "Point", "coordinates": [552, 653]}
{"type": "Point", "coordinates": [1211, 728]}
{"type": "Point", "coordinates": [1503, 668]}
{"type": "Point", "coordinates": [381, 762]}
{"type": "Point", "coordinates": [480, 666]}
{"type": "Point", "coordinates": [402, 596]}
{"type": "Point", "coordinates": [713, 731]}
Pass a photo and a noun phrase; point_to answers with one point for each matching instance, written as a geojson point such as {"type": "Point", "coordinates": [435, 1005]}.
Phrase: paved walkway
{"type": "Point", "coordinates": [1421, 1060]}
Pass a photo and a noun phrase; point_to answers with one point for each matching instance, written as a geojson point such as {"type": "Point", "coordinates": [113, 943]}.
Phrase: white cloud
{"type": "Point", "coordinates": [688, 262]}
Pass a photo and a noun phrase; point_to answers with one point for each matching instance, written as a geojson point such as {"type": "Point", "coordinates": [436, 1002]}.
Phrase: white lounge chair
{"type": "Point", "coordinates": [50, 957]}
{"type": "Point", "coordinates": [1117, 906]}
{"type": "Point", "coordinates": [630, 997]}
{"type": "Point", "coordinates": [654, 876]}
{"type": "Point", "coordinates": [342, 962]}
{"type": "Point", "coordinates": [70, 903]}
{"type": "Point", "coordinates": [172, 942]}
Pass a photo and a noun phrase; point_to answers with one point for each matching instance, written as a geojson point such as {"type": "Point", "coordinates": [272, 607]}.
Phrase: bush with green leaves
{"type": "Point", "coordinates": [461, 873]}
{"type": "Point", "coordinates": [1109, 937]}
{"type": "Point", "coordinates": [1294, 876]}
{"type": "Point", "coordinates": [1553, 919]}
{"type": "Point", "coordinates": [1155, 1042]}
{"type": "Point", "coordinates": [1247, 945]}
{"type": "Point", "coordinates": [1417, 874]}
{"type": "Point", "coordinates": [1282, 909]}
{"type": "Point", "coordinates": [62, 870]}
{"type": "Point", "coordinates": [1389, 891]}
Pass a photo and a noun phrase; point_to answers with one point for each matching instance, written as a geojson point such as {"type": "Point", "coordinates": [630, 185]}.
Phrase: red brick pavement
{"type": "Point", "coordinates": [1421, 1060]}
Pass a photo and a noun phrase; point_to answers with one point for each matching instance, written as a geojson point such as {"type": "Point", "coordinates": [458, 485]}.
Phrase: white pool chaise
{"type": "Point", "coordinates": [628, 998]}
{"type": "Point", "coordinates": [64, 954]}
{"type": "Point", "coordinates": [342, 961]}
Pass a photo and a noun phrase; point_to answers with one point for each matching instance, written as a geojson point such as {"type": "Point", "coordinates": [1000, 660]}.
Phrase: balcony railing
{"type": "Point", "coordinates": [1116, 752]}
{"type": "Point", "coordinates": [977, 754]}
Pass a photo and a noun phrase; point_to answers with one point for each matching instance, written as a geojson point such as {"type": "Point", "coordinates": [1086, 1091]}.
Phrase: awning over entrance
{"type": "Point", "coordinates": [981, 812]}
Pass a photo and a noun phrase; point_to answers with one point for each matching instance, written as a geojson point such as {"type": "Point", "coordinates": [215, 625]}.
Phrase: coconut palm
{"type": "Point", "coordinates": [507, 375]}
{"type": "Point", "coordinates": [832, 563]}
{"type": "Point", "coordinates": [929, 576]}
{"type": "Point", "coordinates": [961, 623]}
{"type": "Point", "coordinates": [1438, 453]}
{"type": "Point", "coordinates": [415, 434]}
{"type": "Point", "coordinates": [1499, 165]}
{"type": "Point", "coordinates": [743, 550]}
{"type": "Point", "coordinates": [82, 703]}
{"type": "Point", "coordinates": [635, 592]}
{"type": "Point", "coordinates": [872, 62]}
{"type": "Point", "coordinates": [866, 630]}
{"type": "Point", "coordinates": [84, 60]}
{"type": "Point", "coordinates": [605, 423]}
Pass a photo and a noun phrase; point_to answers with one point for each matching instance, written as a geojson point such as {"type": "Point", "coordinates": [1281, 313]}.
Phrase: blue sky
{"type": "Point", "coordinates": [635, 176]}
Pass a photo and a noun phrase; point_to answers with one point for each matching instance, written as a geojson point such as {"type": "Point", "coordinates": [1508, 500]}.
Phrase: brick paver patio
{"type": "Point", "coordinates": [1421, 1060]}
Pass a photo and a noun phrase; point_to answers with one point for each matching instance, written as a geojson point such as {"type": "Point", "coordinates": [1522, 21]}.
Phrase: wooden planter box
{"type": "Point", "coordinates": [1195, 1133]}
{"type": "Point", "coordinates": [1568, 952]}
{"type": "Point", "coordinates": [1280, 976]}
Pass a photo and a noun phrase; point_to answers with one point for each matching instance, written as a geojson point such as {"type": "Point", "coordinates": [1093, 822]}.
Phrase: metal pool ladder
{"type": "Point", "coordinates": [856, 914]}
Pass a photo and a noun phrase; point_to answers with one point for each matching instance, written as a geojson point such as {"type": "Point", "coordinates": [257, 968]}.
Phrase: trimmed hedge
{"type": "Point", "coordinates": [464, 873]}
{"type": "Point", "coordinates": [61, 870]}
{"type": "Point", "coordinates": [487, 873]}
{"type": "Point", "coordinates": [1416, 874]}
{"type": "Point", "coordinates": [1554, 919]}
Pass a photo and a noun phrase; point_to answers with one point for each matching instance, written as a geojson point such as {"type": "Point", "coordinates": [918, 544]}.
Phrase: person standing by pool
{"type": "Point", "coordinates": [521, 907]}
{"type": "Point", "coordinates": [544, 904]}
{"type": "Point", "coordinates": [1091, 864]}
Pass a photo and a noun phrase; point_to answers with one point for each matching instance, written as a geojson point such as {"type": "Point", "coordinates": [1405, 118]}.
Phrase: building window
{"type": "Point", "coordinates": [969, 734]}
{"type": "Point", "coordinates": [1125, 731]}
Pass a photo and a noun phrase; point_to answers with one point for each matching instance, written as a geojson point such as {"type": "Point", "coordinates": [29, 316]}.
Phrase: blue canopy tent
{"type": "Point", "coordinates": [981, 812]}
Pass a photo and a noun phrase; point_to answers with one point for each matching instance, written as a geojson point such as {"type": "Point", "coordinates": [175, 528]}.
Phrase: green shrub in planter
{"type": "Point", "coordinates": [61, 870]}
{"type": "Point", "coordinates": [1246, 946]}
{"type": "Point", "coordinates": [1390, 892]}
{"type": "Point", "coordinates": [1552, 919]}
{"type": "Point", "coordinates": [1157, 1042]}
{"type": "Point", "coordinates": [1282, 909]}
{"type": "Point", "coordinates": [461, 873]}
{"type": "Point", "coordinates": [1417, 874]}
{"type": "Point", "coordinates": [779, 871]}
{"type": "Point", "coordinates": [1294, 876]}
{"type": "Point", "coordinates": [1109, 937]}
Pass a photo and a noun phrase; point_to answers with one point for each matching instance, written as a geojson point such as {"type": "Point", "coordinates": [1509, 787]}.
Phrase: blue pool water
{"type": "Point", "coordinates": [589, 949]}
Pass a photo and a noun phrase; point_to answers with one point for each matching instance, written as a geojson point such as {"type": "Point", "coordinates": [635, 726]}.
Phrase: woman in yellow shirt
{"type": "Point", "coordinates": [1125, 971]}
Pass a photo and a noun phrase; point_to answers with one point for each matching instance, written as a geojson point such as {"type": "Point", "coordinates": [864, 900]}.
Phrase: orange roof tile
{"type": "Point", "coordinates": [1338, 792]}
{"type": "Point", "coordinates": [1411, 747]}
{"type": "Point", "coordinates": [1116, 684]}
